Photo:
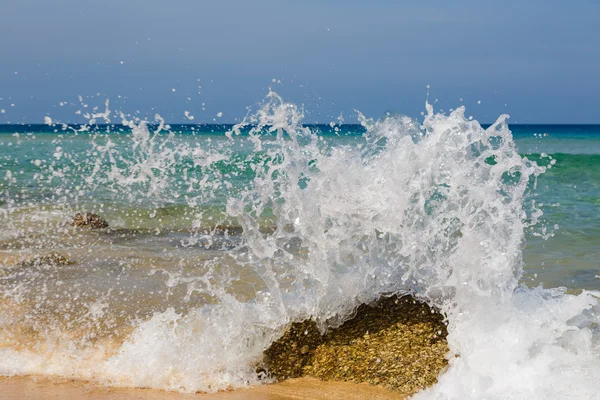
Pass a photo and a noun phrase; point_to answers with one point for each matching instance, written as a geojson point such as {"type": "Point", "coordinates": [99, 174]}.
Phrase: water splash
{"type": "Point", "coordinates": [273, 223]}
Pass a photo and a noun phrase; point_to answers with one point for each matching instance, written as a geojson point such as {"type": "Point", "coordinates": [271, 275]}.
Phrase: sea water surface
{"type": "Point", "coordinates": [221, 235]}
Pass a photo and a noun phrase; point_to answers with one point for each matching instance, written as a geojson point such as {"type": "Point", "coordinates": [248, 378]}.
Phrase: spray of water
{"type": "Point", "coordinates": [279, 225]}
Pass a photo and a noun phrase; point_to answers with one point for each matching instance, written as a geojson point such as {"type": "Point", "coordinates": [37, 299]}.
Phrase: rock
{"type": "Point", "coordinates": [89, 220]}
{"type": "Point", "coordinates": [285, 358]}
{"type": "Point", "coordinates": [38, 262]}
{"type": "Point", "coordinates": [396, 342]}
{"type": "Point", "coordinates": [52, 259]}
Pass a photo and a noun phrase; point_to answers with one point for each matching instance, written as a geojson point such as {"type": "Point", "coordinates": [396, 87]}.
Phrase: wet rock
{"type": "Point", "coordinates": [397, 342]}
{"type": "Point", "coordinates": [89, 220]}
{"type": "Point", "coordinates": [288, 356]}
{"type": "Point", "coordinates": [52, 259]}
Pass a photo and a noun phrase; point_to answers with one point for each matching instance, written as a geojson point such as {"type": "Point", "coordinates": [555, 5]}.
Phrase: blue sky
{"type": "Point", "coordinates": [538, 61]}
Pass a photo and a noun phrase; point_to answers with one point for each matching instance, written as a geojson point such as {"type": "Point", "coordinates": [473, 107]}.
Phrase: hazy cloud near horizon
{"type": "Point", "coordinates": [537, 61]}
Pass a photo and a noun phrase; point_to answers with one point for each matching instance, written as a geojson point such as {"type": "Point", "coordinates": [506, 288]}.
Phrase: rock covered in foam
{"type": "Point", "coordinates": [89, 220]}
{"type": "Point", "coordinates": [396, 342]}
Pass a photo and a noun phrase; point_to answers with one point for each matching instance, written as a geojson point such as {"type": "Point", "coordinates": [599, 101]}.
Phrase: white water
{"type": "Point", "coordinates": [437, 208]}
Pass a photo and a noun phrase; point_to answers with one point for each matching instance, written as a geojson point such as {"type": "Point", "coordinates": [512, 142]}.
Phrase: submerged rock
{"type": "Point", "coordinates": [53, 259]}
{"type": "Point", "coordinates": [397, 342]}
{"type": "Point", "coordinates": [89, 220]}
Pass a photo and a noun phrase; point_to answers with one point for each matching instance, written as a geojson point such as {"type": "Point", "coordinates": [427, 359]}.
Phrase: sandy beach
{"type": "Point", "coordinates": [35, 387]}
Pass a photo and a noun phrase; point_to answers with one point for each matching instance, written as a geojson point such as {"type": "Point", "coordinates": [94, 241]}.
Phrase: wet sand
{"type": "Point", "coordinates": [33, 388]}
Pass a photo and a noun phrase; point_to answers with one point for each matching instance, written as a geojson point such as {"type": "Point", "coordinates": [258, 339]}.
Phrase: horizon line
{"type": "Point", "coordinates": [37, 124]}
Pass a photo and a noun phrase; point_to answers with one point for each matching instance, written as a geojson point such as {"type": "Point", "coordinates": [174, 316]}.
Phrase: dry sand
{"type": "Point", "coordinates": [33, 388]}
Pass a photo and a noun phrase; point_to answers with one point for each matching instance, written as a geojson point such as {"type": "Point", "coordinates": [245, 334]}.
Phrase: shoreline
{"type": "Point", "coordinates": [33, 387]}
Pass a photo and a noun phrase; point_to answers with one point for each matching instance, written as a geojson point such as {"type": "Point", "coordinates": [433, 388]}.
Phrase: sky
{"type": "Point", "coordinates": [538, 61]}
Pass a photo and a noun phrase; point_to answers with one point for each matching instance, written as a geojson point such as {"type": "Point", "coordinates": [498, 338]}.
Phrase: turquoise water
{"type": "Point", "coordinates": [569, 195]}
{"type": "Point", "coordinates": [561, 250]}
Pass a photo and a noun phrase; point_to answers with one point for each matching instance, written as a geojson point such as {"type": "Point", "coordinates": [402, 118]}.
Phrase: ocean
{"type": "Point", "coordinates": [221, 235]}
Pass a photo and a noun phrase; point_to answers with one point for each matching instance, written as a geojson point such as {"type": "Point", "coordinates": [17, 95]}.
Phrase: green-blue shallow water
{"type": "Point", "coordinates": [49, 168]}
